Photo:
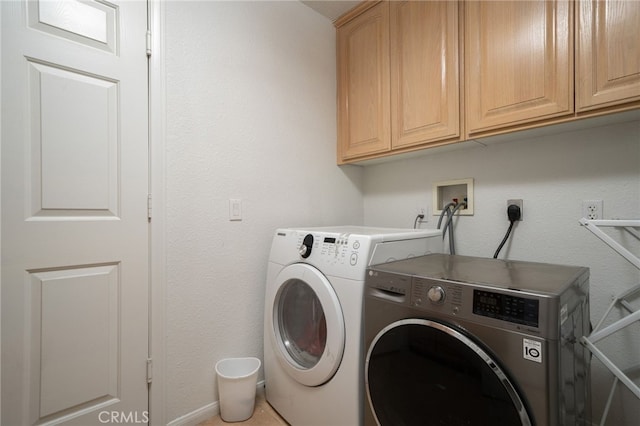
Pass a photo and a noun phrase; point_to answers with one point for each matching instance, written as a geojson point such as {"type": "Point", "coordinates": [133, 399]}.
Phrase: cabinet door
{"type": "Point", "coordinates": [518, 62]}
{"type": "Point", "coordinates": [608, 53]}
{"type": "Point", "coordinates": [363, 84]}
{"type": "Point", "coordinates": [425, 100]}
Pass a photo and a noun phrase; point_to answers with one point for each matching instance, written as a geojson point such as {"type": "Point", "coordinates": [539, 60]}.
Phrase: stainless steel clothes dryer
{"type": "Point", "coordinates": [457, 340]}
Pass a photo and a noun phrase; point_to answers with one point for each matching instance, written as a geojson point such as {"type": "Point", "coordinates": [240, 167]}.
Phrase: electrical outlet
{"type": "Point", "coordinates": [519, 204]}
{"type": "Point", "coordinates": [425, 212]}
{"type": "Point", "coordinates": [592, 209]}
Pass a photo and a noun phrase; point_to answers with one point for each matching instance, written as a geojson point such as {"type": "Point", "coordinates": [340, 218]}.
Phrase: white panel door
{"type": "Point", "coordinates": [75, 284]}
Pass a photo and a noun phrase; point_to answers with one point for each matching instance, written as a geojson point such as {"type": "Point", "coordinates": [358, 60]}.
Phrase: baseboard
{"type": "Point", "coordinates": [206, 412]}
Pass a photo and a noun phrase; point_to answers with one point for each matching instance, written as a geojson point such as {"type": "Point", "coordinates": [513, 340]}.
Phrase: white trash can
{"type": "Point", "coordinates": [237, 380]}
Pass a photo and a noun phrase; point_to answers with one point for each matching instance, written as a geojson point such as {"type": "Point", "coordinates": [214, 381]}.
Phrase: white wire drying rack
{"type": "Point", "coordinates": [621, 300]}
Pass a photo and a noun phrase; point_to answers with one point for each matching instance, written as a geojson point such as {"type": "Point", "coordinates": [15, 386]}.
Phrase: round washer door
{"type": "Point", "coordinates": [418, 369]}
{"type": "Point", "coordinates": [307, 325]}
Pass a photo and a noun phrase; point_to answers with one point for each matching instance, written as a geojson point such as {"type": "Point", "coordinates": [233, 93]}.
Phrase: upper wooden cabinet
{"type": "Point", "coordinates": [607, 53]}
{"type": "Point", "coordinates": [398, 77]}
{"type": "Point", "coordinates": [363, 84]}
{"type": "Point", "coordinates": [425, 84]}
{"type": "Point", "coordinates": [518, 62]}
{"type": "Point", "coordinates": [400, 74]}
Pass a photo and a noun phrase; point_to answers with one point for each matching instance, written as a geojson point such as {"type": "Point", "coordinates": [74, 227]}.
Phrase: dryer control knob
{"type": "Point", "coordinates": [436, 294]}
{"type": "Point", "coordinates": [307, 245]}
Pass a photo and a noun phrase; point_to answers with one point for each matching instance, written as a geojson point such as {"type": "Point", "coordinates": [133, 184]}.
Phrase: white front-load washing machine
{"type": "Point", "coordinates": [313, 329]}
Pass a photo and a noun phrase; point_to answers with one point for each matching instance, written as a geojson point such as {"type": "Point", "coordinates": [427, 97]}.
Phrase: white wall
{"type": "Point", "coordinates": [250, 114]}
{"type": "Point", "coordinates": [552, 174]}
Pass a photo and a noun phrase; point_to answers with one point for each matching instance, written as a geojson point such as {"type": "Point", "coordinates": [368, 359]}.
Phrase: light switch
{"type": "Point", "coordinates": [235, 209]}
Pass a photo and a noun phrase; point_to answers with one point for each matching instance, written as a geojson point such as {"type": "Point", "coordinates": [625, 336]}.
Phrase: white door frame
{"type": "Point", "coordinates": [0, 208]}
{"type": "Point", "coordinates": [157, 110]}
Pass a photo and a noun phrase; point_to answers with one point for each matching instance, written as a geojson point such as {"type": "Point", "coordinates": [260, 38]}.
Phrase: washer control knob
{"type": "Point", "coordinates": [307, 245]}
{"type": "Point", "coordinates": [436, 294]}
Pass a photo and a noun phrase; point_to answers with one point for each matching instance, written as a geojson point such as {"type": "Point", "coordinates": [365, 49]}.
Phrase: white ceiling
{"type": "Point", "coordinates": [331, 9]}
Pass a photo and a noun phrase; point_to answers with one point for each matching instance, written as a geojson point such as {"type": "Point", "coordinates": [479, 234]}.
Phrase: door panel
{"type": "Point", "coordinates": [81, 354]}
{"type": "Point", "coordinates": [607, 53]}
{"type": "Point", "coordinates": [363, 84]}
{"type": "Point", "coordinates": [82, 22]}
{"type": "Point", "coordinates": [75, 283]}
{"type": "Point", "coordinates": [518, 62]}
{"type": "Point", "coordinates": [425, 101]}
{"type": "Point", "coordinates": [74, 163]}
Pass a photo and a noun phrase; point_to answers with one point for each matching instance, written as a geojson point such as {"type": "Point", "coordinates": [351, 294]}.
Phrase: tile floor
{"type": "Point", "coordinates": [263, 415]}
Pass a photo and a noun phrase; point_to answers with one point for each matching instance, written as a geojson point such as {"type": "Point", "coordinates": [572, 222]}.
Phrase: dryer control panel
{"type": "Point", "coordinates": [347, 251]}
{"type": "Point", "coordinates": [332, 249]}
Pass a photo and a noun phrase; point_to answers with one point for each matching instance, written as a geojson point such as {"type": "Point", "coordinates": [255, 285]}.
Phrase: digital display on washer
{"type": "Point", "coordinates": [329, 240]}
{"type": "Point", "coordinates": [505, 307]}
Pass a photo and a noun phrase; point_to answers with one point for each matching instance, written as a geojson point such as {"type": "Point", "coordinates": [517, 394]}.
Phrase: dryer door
{"type": "Point", "coordinates": [307, 325]}
{"type": "Point", "coordinates": [421, 371]}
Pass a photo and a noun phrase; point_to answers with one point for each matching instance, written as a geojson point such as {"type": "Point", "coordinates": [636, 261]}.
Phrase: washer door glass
{"type": "Point", "coordinates": [419, 369]}
{"type": "Point", "coordinates": [302, 323]}
{"type": "Point", "coordinates": [308, 325]}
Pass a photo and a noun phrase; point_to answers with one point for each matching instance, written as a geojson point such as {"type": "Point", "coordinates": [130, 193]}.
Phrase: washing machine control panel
{"type": "Point", "coordinates": [453, 298]}
{"type": "Point", "coordinates": [437, 295]}
{"type": "Point", "coordinates": [456, 299]}
{"type": "Point", "coordinates": [518, 310]}
{"type": "Point", "coordinates": [335, 254]}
